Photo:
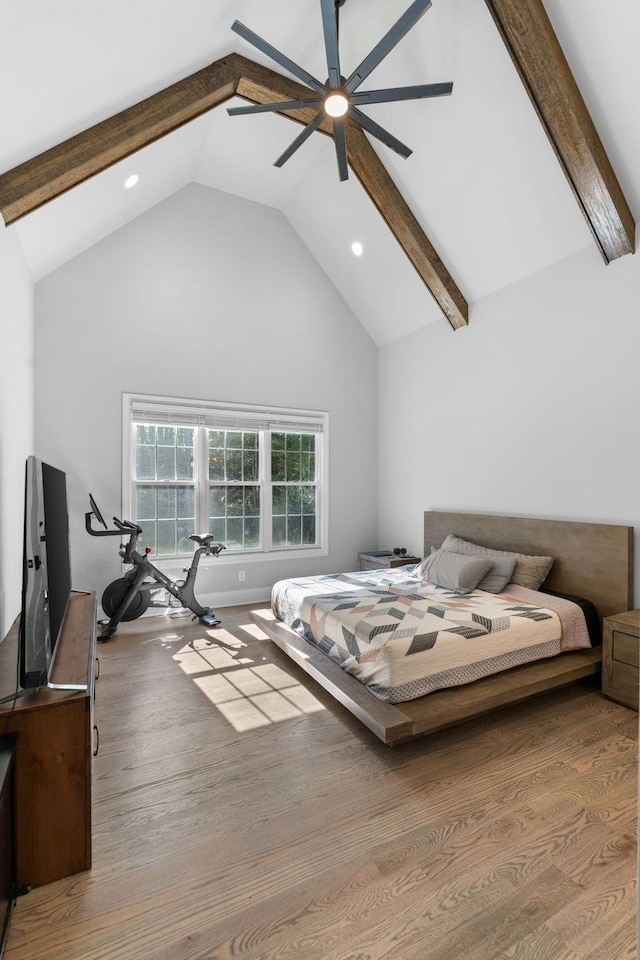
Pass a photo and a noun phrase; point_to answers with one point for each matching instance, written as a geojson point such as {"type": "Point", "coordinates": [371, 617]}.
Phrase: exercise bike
{"type": "Point", "coordinates": [129, 596]}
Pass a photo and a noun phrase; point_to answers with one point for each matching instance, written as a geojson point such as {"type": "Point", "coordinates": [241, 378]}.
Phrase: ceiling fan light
{"type": "Point", "coordinates": [336, 104]}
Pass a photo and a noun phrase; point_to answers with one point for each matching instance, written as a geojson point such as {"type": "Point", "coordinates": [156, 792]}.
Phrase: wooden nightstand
{"type": "Point", "coordinates": [620, 646]}
{"type": "Point", "coordinates": [379, 560]}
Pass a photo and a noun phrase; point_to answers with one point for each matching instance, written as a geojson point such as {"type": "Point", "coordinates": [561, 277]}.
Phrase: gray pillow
{"type": "Point", "coordinates": [530, 571]}
{"type": "Point", "coordinates": [499, 575]}
{"type": "Point", "coordinates": [452, 570]}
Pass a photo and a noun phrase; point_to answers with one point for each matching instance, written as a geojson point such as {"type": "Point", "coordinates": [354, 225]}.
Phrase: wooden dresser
{"type": "Point", "coordinates": [620, 647]}
{"type": "Point", "coordinates": [54, 751]}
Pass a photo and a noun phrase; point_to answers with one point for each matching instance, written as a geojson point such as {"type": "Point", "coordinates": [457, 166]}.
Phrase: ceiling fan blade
{"type": "Point", "coordinates": [330, 27]}
{"type": "Point", "coordinates": [279, 58]}
{"type": "Point", "coordinates": [274, 107]}
{"type": "Point", "coordinates": [408, 19]}
{"type": "Point", "coordinates": [379, 132]}
{"type": "Point", "coordinates": [306, 133]}
{"type": "Point", "coordinates": [402, 93]}
{"type": "Point", "coordinates": [341, 147]}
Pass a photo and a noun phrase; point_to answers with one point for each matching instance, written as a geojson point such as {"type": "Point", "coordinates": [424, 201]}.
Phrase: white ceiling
{"type": "Point", "coordinates": [482, 181]}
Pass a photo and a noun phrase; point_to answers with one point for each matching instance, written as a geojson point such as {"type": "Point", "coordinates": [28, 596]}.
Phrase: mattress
{"type": "Point", "coordinates": [404, 637]}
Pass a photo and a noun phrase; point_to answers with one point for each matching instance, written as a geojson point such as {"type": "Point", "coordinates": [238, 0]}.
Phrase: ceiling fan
{"type": "Point", "coordinates": [339, 97]}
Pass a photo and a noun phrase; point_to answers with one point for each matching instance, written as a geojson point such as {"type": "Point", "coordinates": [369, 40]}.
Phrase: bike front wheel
{"type": "Point", "coordinates": [115, 593]}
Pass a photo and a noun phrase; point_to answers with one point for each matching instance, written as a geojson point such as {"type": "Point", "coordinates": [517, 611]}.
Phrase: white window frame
{"type": "Point", "coordinates": [198, 413]}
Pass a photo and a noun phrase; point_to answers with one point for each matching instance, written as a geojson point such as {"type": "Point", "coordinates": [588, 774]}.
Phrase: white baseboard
{"type": "Point", "coordinates": [235, 598]}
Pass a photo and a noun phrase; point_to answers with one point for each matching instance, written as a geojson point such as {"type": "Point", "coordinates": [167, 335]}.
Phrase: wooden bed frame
{"type": "Point", "coordinates": [592, 560]}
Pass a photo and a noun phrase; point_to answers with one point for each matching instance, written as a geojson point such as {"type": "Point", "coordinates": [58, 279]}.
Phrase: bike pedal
{"type": "Point", "coordinates": [209, 620]}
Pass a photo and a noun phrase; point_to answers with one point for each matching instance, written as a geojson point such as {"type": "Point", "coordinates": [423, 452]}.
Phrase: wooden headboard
{"type": "Point", "coordinates": [591, 560]}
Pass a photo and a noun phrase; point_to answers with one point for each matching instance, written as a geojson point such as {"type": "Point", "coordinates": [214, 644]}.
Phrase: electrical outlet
{"type": "Point", "coordinates": [241, 576]}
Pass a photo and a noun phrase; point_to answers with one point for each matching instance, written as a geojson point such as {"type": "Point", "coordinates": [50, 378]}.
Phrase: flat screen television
{"type": "Point", "coordinates": [46, 570]}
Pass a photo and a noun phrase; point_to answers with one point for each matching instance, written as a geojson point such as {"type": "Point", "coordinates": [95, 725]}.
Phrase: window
{"type": "Point", "coordinates": [253, 477]}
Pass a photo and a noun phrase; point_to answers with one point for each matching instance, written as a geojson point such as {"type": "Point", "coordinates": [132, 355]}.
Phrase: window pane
{"type": "Point", "coordinates": [145, 503]}
{"type": "Point", "coordinates": [166, 463]}
{"type": "Point", "coordinates": [145, 433]}
{"type": "Point", "coordinates": [293, 442]}
{"type": "Point", "coordinates": [250, 465]}
{"type": "Point", "coordinates": [217, 501]}
{"type": "Point", "coordinates": [234, 501]}
{"type": "Point", "coordinates": [279, 531]}
{"type": "Point", "coordinates": [252, 502]}
{"type": "Point", "coordinates": [252, 533]}
{"type": "Point", "coordinates": [174, 510]}
{"type": "Point", "coordinates": [184, 530]}
{"type": "Point", "coordinates": [293, 466]}
{"type": "Point", "coordinates": [145, 463]}
{"type": "Point", "coordinates": [278, 466]}
{"type": "Point", "coordinates": [278, 441]}
{"type": "Point", "coordinates": [233, 455]}
{"type": "Point", "coordinates": [309, 500]}
{"type": "Point", "coordinates": [294, 531]}
{"type": "Point", "coordinates": [308, 530]}
{"type": "Point", "coordinates": [166, 436]}
{"type": "Point", "coordinates": [279, 500]}
{"type": "Point", "coordinates": [293, 501]}
{"type": "Point", "coordinates": [148, 535]}
{"type": "Point", "coordinates": [164, 453]}
{"type": "Point", "coordinates": [217, 528]}
{"type": "Point", "coordinates": [216, 464]}
{"type": "Point", "coordinates": [233, 464]}
{"type": "Point", "coordinates": [166, 503]}
{"type": "Point", "coordinates": [308, 466]}
{"type": "Point", "coordinates": [184, 463]}
{"type": "Point", "coordinates": [234, 534]}
{"type": "Point", "coordinates": [186, 503]}
{"type": "Point", "coordinates": [166, 532]}
{"type": "Point", "coordinates": [234, 515]}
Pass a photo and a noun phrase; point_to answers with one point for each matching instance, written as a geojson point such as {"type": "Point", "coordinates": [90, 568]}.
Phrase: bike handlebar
{"type": "Point", "coordinates": [122, 526]}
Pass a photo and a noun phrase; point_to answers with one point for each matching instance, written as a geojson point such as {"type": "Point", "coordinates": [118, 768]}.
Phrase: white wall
{"type": "Point", "coordinates": [16, 415]}
{"type": "Point", "coordinates": [532, 410]}
{"type": "Point", "coordinates": [204, 296]}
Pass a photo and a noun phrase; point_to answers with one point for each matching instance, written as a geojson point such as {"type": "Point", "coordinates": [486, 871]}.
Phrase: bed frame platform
{"type": "Point", "coordinates": [590, 560]}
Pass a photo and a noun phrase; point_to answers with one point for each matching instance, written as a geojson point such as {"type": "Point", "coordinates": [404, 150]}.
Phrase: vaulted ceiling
{"type": "Point", "coordinates": [534, 156]}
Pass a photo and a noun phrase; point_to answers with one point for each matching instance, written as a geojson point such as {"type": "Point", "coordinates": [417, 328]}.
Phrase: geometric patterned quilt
{"type": "Point", "coordinates": [404, 637]}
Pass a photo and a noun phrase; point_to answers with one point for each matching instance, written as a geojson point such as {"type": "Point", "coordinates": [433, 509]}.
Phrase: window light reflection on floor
{"type": "Point", "coordinates": [247, 694]}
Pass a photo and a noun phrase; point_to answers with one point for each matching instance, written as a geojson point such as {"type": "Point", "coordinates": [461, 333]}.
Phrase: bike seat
{"type": "Point", "coordinates": [203, 541]}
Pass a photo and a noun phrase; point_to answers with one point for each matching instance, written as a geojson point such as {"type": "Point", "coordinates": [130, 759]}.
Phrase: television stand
{"type": "Point", "coordinates": [54, 751]}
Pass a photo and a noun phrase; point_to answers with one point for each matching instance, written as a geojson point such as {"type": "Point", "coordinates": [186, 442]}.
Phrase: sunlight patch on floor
{"type": "Point", "coordinates": [247, 694]}
{"type": "Point", "coordinates": [254, 631]}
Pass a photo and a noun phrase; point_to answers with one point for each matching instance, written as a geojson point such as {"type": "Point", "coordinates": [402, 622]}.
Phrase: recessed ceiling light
{"type": "Point", "coordinates": [131, 181]}
{"type": "Point", "coordinates": [356, 248]}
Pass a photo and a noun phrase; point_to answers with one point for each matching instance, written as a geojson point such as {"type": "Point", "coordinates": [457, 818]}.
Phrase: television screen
{"type": "Point", "coordinates": [46, 578]}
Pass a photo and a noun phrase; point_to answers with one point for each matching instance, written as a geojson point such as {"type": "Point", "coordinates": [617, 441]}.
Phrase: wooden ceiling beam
{"type": "Point", "coordinates": [30, 185]}
{"type": "Point", "coordinates": [537, 55]}
{"type": "Point", "coordinates": [388, 200]}
{"type": "Point", "coordinates": [47, 176]}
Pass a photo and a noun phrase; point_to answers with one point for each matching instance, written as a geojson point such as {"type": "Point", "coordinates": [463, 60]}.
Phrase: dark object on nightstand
{"type": "Point", "coordinates": [381, 559]}
{"type": "Point", "coordinates": [620, 645]}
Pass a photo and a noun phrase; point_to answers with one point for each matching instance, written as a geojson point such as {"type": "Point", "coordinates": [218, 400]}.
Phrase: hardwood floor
{"type": "Point", "coordinates": [241, 814]}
